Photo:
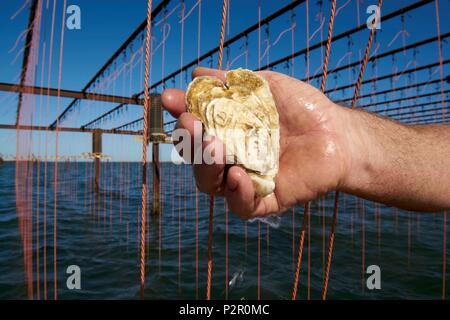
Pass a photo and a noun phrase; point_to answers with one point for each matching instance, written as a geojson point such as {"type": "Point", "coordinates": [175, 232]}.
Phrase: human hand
{"type": "Point", "coordinates": [312, 150]}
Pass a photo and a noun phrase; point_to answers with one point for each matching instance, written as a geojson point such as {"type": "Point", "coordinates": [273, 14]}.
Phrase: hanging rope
{"type": "Point", "coordinates": [300, 251]}
{"type": "Point", "coordinates": [222, 33]}
{"type": "Point", "coordinates": [144, 144]}
{"type": "Point", "coordinates": [328, 47]}
{"type": "Point", "coordinates": [336, 196]}
{"type": "Point", "coordinates": [210, 231]}
{"type": "Point", "coordinates": [365, 60]}
{"type": "Point", "coordinates": [306, 210]}
{"type": "Point", "coordinates": [211, 199]}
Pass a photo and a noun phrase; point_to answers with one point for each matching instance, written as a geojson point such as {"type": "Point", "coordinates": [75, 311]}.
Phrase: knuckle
{"type": "Point", "coordinates": [182, 119]}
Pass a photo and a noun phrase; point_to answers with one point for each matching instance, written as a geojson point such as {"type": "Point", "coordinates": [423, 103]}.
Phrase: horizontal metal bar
{"type": "Point", "coordinates": [66, 129]}
{"type": "Point", "coordinates": [8, 87]}
{"type": "Point", "coordinates": [129, 123]}
{"type": "Point", "coordinates": [106, 114]}
{"type": "Point", "coordinates": [140, 119]}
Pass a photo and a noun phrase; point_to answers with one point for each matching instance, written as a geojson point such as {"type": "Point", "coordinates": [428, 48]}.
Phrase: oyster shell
{"type": "Point", "coordinates": [242, 113]}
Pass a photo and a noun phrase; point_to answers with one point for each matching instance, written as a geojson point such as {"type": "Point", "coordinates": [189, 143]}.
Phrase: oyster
{"type": "Point", "coordinates": [242, 113]}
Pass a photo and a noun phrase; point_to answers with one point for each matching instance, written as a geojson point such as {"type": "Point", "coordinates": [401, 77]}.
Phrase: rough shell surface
{"type": "Point", "coordinates": [243, 115]}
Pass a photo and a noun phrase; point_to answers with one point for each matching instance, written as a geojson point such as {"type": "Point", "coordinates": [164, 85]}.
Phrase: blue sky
{"type": "Point", "coordinates": [106, 24]}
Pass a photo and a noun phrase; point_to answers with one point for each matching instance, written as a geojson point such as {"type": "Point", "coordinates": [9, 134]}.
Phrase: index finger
{"type": "Point", "coordinates": [173, 101]}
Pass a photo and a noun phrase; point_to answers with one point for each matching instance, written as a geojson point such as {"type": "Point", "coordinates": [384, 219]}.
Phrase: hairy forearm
{"type": "Point", "coordinates": [399, 165]}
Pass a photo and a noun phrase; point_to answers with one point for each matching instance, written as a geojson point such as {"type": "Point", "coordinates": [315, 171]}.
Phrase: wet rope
{"type": "Point", "coordinates": [211, 199]}
{"type": "Point", "coordinates": [336, 196]}
{"type": "Point", "coordinates": [144, 145]}
{"type": "Point", "coordinates": [306, 209]}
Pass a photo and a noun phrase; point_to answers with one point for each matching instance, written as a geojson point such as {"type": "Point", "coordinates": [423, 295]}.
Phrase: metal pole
{"type": "Point", "coordinates": [97, 174]}
{"type": "Point", "coordinates": [97, 150]}
{"type": "Point", "coordinates": [156, 179]}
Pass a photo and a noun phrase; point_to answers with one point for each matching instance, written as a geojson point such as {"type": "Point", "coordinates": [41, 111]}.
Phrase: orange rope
{"type": "Point", "coordinates": [196, 242]}
{"type": "Point", "coordinates": [336, 196]}
{"type": "Point", "coordinates": [226, 250]}
{"type": "Point", "coordinates": [144, 144]}
{"type": "Point", "coordinates": [300, 250]}
{"type": "Point", "coordinates": [306, 210]}
{"type": "Point", "coordinates": [365, 60]}
{"type": "Point", "coordinates": [259, 261]}
{"type": "Point", "coordinates": [328, 47]}
{"type": "Point", "coordinates": [444, 254]}
{"type": "Point", "coordinates": [330, 247]}
{"type": "Point", "coordinates": [210, 230]}
{"type": "Point", "coordinates": [222, 33]}
{"type": "Point", "coordinates": [211, 200]}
